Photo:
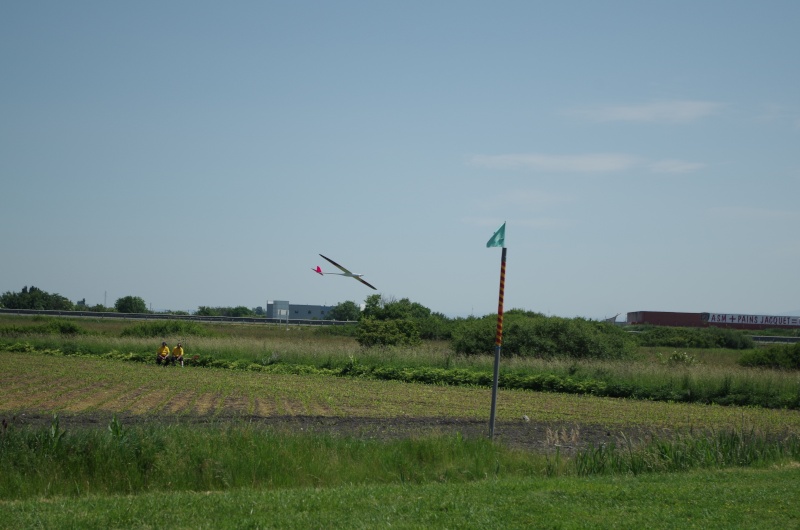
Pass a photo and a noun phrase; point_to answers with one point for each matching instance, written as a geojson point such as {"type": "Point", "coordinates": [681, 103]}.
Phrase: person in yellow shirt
{"type": "Point", "coordinates": [163, 354]}
{"type": "Point", "coordinates": [177, 354]}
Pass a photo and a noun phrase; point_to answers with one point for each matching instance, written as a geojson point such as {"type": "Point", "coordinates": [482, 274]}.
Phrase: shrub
{"type": "Point", "coordinates": [678, 359]}
{"type": "Point", "coordinates": [435, 326]}
{"type": "Point", "coordinates": [781, 356]}
{"type": "Point", "coordinates": [399, 332]}
{"type": "Point", "coordinates": [474, 336]}
{"type": "Point", "coordinates": [535, 335]}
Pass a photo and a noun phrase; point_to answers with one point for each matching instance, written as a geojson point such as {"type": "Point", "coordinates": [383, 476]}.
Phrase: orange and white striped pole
{"type": "Point", "coordinates": [498, 342]}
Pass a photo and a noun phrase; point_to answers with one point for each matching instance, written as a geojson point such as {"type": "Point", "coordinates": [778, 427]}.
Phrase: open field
{"type": "Point", "coordinates": [90, 394]}
{"type": "Point", "coordinates": [89, 391]}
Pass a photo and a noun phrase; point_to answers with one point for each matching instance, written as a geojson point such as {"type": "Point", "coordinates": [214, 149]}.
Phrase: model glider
{"type": "Point", "coordinates": [344, 272]}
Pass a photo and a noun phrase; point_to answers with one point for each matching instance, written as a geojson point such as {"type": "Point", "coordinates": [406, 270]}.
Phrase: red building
{"type": "Point", "coordinates": [721, 320]}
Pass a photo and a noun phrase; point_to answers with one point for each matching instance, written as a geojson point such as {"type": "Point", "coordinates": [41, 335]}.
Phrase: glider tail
{"type": "Point", "coordinates": [318, 270]}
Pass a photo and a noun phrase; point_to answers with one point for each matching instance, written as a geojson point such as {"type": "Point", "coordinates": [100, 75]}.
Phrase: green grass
{"type": "Point", "coordinates": [240, 476]}
{"type": "Point", "coordinates": [52, 461]}
{"type": "Point", "coordinates": [80, 385]}
{"type": "Point", "coordinates": [713, 376]}
{"type": "Point", "coordinates": [737, 498]}
{"type": "Point", "coordinates": [48, 462]}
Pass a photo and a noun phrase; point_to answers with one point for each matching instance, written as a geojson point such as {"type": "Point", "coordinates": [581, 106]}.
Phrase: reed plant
{"type": "Point", "coordinates": [48, 462]}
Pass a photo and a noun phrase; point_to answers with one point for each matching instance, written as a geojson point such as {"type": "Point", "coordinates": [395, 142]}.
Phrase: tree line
{"type": "Point", "coordinates": [34, 298]}
{"type": "Point", "coordinates": [388, 322]}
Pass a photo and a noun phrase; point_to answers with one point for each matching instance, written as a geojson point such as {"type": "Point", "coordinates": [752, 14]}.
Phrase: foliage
{"type": "Point", "coordinates": [678, 337]}
{"type": "Point", "coordinates": [436, 326]}
{"type": "Point", "coordinates": [35, 298]}
{"type": "Point", "coordinates": [239, 311]}
{"type": "Point", "coordinates": [530, 334]}
{"type": "Point", "coordinates": [431, 325]}
{"type": "Point", "coordinates": [130, 304]}
{"type": "Point", "coordinates": [677, 359]}
{"type": "Point", "coordinates": [345, 311]}
{"type": "Point", "coordinates": [166, 328]}
{"type": "Point", "coordinates": [396, 332]}
{"type": "Point", "coordinates": [382, 308]}
{"type": "Point", "coordinates": [780, 356]}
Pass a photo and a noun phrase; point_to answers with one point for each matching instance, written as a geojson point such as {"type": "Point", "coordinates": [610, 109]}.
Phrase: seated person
{"type": "Point", "coordinates": [163, 354]}
{"type": "Point", "coordinates": [177, 354]}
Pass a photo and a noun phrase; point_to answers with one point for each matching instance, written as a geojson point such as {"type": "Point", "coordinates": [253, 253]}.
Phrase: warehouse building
{"type": "Point", "coordinates": [282, 309]}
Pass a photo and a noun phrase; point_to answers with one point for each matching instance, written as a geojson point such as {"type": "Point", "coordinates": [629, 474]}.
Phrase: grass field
{"type": "Point", "coordinates": [363, 453]}
{"type": "Point", "coordinates": [80, 385]}
{"type": "Point", "coordinates": [730, 499]}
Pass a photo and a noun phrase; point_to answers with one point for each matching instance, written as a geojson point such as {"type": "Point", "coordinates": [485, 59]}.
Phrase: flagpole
{"type": "Point", "coordinates": [498, 342]}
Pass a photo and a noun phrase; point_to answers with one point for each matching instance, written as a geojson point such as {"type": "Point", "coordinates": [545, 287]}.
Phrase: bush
{"type": "Point", "coordinates": [782, 356]}
{"type": "Point", "coordinates": [535, 335]}
{"type": "Point", "coordinates": [399, 332]}
{"type": "Point", "coordinates": [435, 326]}
{"type": "Point", "coordinates": [474, 336]}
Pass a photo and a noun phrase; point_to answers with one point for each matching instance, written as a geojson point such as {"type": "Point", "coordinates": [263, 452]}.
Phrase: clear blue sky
{"type": "Point", "coordinates": [645, 155]}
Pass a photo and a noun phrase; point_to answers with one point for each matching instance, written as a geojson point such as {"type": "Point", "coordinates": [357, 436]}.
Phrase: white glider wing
{"type": "Point", "coordinates": [344, 272]}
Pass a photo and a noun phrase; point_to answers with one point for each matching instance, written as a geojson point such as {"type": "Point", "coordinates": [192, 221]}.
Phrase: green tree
{"type": "Point", "coordinates": [430, 325]}
{"type": "Point", "coordinates": [381, 308]}
{"type": "Point", "coordinates": [239, 311]}
{"type": "Point", "coordinates": [35, 298]}
{"type": "Point", "coordinates": [373, 306]}
{"type": "Point", "coordinates": [130, 304]}
{"type": "Point", "coordinates": [345, 311]}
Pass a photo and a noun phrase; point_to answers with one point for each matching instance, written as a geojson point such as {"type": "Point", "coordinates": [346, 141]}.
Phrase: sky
{"type": "Point", "coordinates": [645, 156]}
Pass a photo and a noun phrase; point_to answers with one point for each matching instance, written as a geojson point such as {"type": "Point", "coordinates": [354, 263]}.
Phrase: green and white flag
{"type": "Point", "coordinates": [499, 238]}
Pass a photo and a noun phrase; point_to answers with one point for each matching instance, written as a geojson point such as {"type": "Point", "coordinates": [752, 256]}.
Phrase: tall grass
{"type": "Point", "coordinates": [129, 460]}
{"type": "Point", "coordinates": [689, 451]}
{"type": "Point", "coordinates": [47, 462]}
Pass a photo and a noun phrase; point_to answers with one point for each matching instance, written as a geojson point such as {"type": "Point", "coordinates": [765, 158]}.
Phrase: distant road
{"type": "Point", "coordinates": [167, 316]}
